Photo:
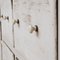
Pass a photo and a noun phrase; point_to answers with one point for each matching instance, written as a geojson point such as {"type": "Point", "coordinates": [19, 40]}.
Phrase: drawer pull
{"type": "Point", "coordinates": [32, 29]}
{"type": "Point", "coordinates": [5, 17]}
{"type": "Point", "coordinates": [16, 21]}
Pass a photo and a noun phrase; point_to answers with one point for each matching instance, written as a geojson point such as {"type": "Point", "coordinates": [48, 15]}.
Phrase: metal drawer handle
{"type": "Point", "coordinates": [32, 29]}
{"type": "Point", "coordinates": [16, 21]}
{"type": "Point", "coordinates": [5, 17]}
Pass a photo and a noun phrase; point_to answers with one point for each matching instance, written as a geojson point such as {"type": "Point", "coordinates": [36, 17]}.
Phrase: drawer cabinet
{"type": "Point", "coordinates": [43, 14]}
{"type": "Point", "coordinates": [35, 45]}
{"type": "Point", "coordinates": [5, 26]}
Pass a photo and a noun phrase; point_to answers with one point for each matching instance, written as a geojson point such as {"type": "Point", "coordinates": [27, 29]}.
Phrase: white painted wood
{"type": "Point", "coordinates": [43, 14]}
{"type": "Point", "coordinates": [29, 45]}
{"type": "Point", "coordinates": [11, 50]}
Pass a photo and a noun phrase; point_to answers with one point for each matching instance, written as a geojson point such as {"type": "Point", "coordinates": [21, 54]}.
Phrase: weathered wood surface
{"type": "Point", "coordinates": [34, 12]}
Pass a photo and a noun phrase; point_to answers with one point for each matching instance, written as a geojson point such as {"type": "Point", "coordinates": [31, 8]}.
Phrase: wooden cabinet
{"type": "Point", "coordinates": [31, 46]}
{"type": "Point", "coordinates": [43, 14]}
{"type": "Point", "coordinates": [6, 29]}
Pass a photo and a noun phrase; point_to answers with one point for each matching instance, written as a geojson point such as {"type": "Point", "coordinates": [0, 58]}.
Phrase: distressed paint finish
{"type": "Point", "coordinates": [6, 28]}
{"type": "Point", "coordinates": [29, 45]}
{"type": "Point", "coordinates": [43, 14]}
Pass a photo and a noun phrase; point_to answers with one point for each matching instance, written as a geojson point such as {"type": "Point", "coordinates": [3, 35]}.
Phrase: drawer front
{"type": "Point", "coordinates": [35, 37]}
{"type": "Point", "coordinates": [43, 14]}
{"type": "Point", "coordinates": [6, 29]}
